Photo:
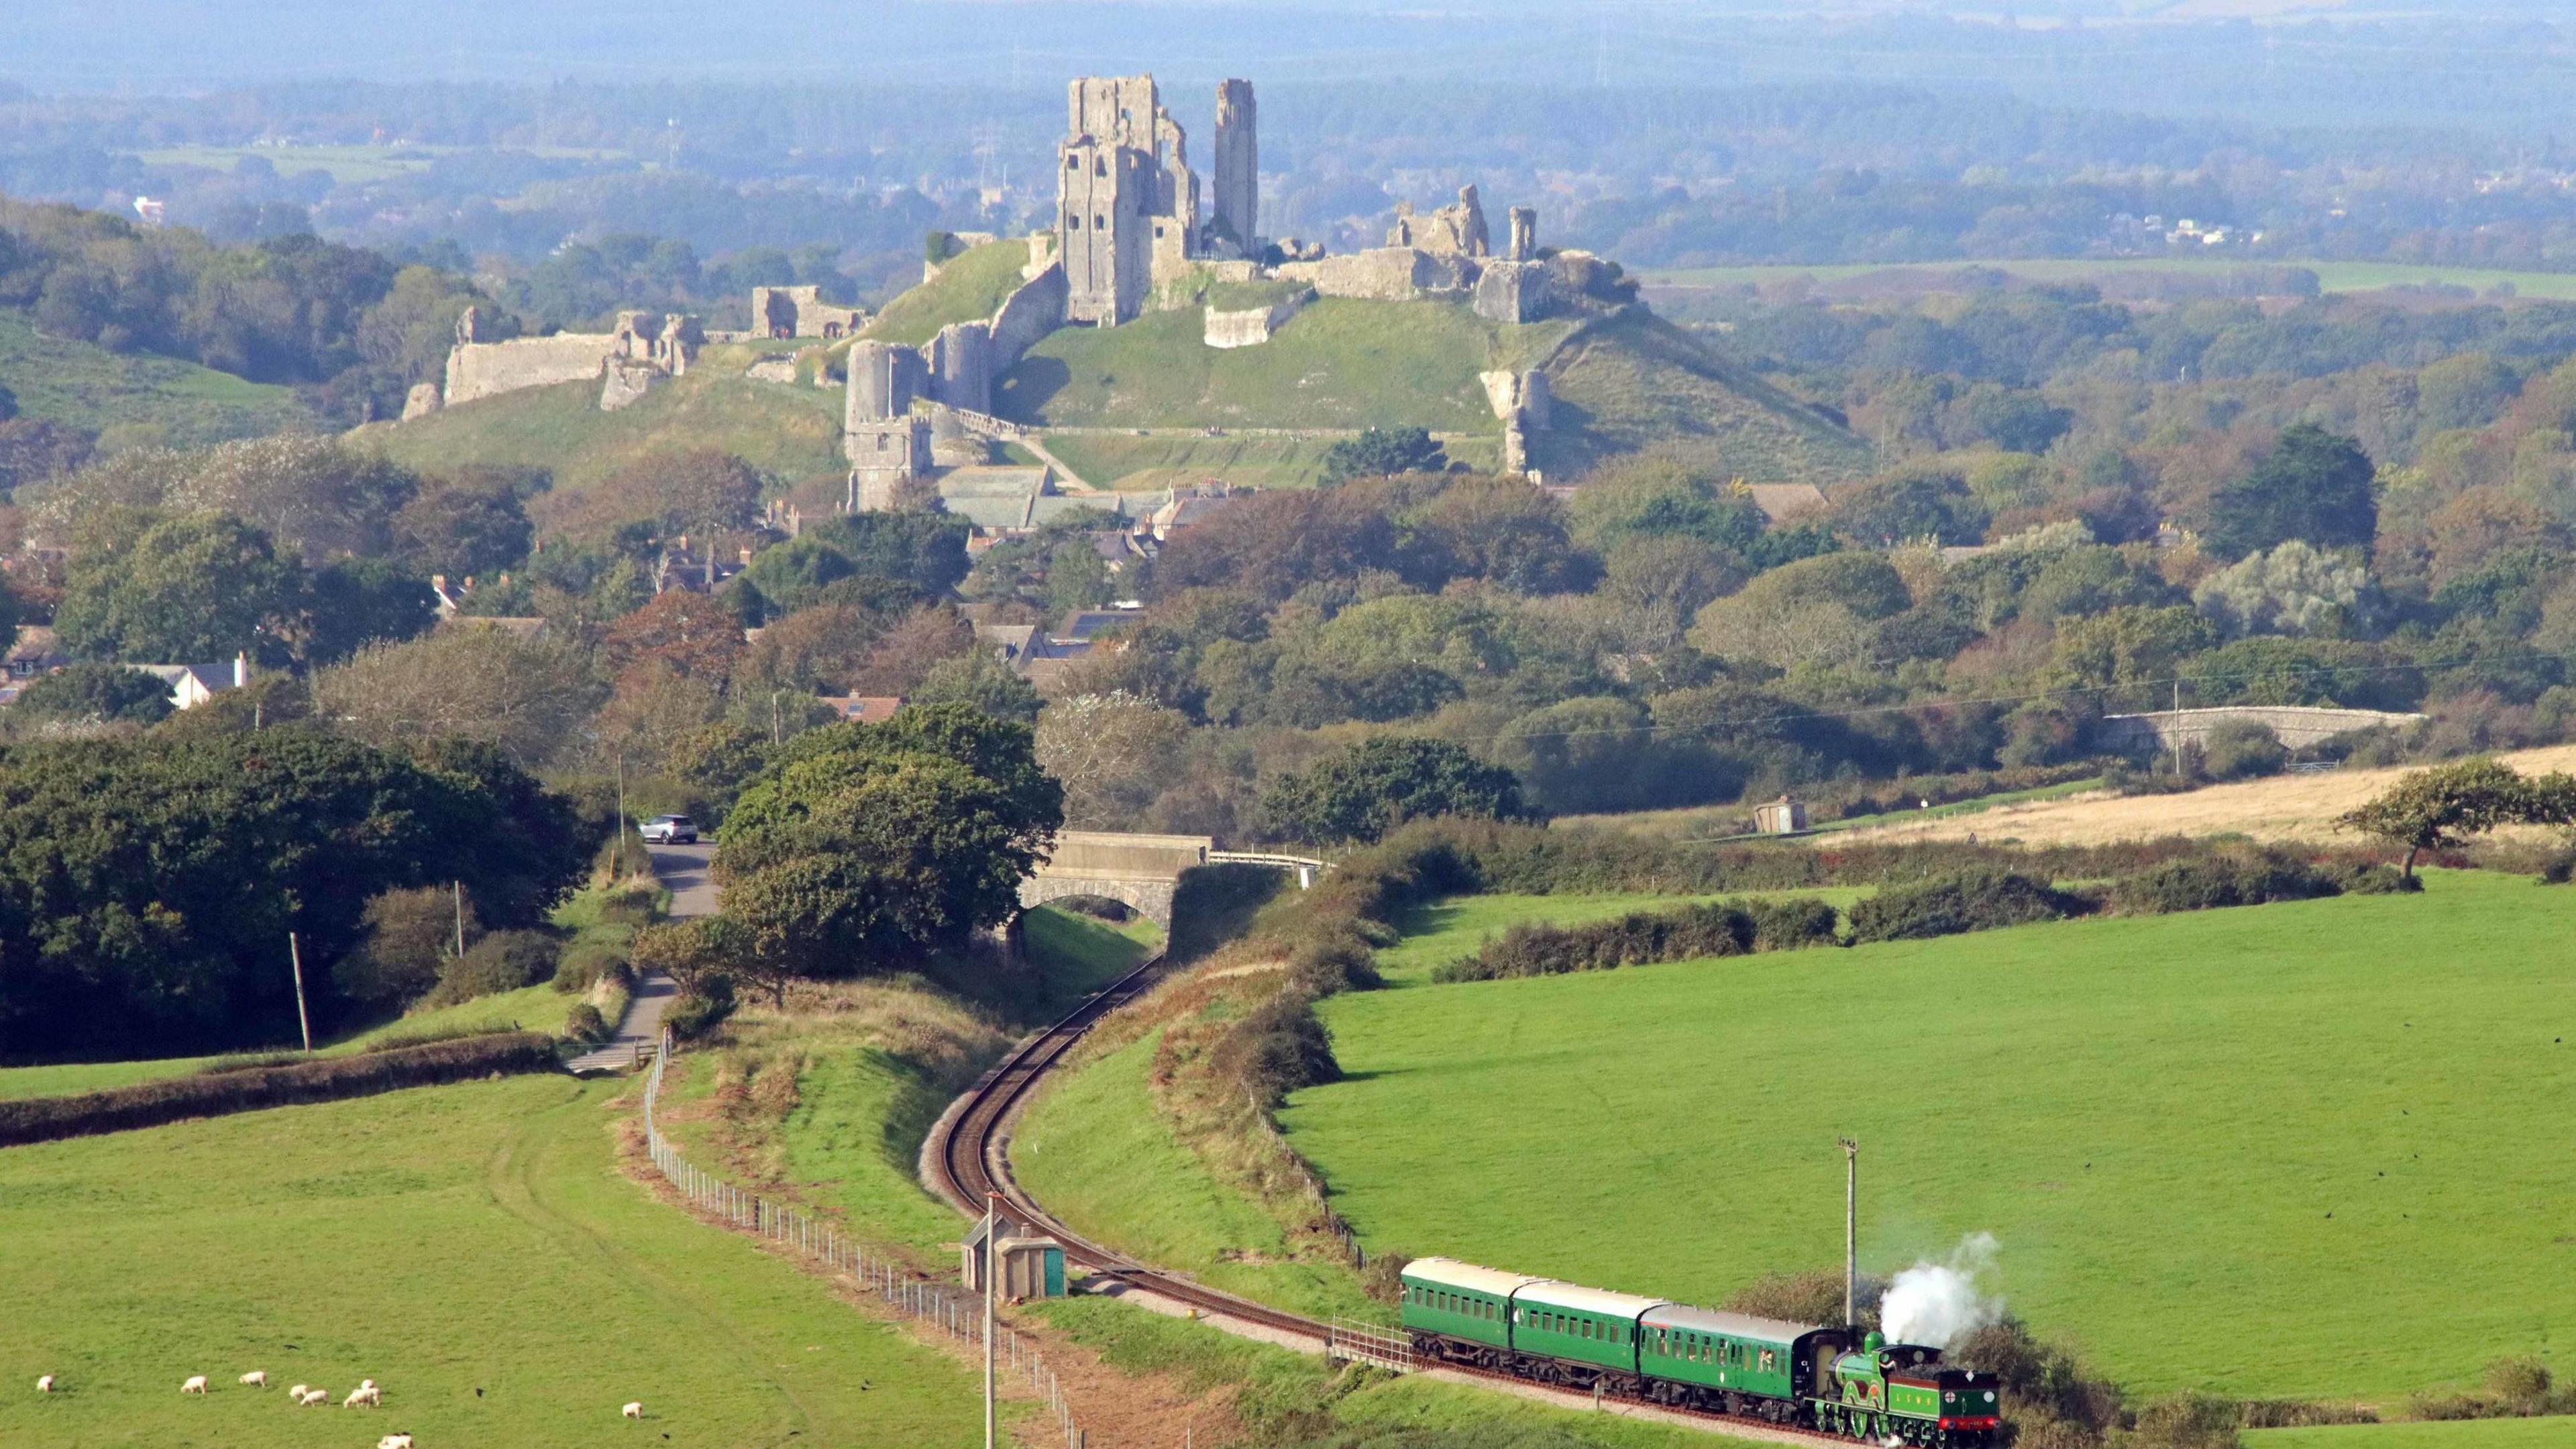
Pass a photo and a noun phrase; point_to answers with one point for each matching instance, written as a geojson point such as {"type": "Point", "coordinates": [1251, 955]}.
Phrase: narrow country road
{"type": "Point", "coordinates": [683, 871]}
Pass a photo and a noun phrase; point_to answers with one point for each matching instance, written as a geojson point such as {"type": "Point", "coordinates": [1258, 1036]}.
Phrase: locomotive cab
{"type": "Point", "coordinates": [1903, 1390]}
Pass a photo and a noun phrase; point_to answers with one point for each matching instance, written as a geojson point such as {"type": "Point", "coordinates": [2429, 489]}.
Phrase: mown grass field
{"type": "Point", "coordinates": [2226, 1149]}
{"type": "Point", "coordinates": [441, 1241]}
{"type": "Point", "coordinates": [2331, 276]}
{"type": "Point", "coordinates": [782, 429]}
{"type": "Point", "coordinates": [147, 399]}
{"type": "Point", "coordinates": [1132, 464]}
{"type": "Point", "coordinates": [1639, 382]}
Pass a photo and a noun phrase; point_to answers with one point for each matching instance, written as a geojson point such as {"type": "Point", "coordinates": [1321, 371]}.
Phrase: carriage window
{"type": "Point", "coordinates": [1769, 1360]}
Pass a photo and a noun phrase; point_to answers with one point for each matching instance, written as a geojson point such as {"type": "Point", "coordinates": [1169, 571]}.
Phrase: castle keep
{"type": "Point", "coordinates": [1127, 202]}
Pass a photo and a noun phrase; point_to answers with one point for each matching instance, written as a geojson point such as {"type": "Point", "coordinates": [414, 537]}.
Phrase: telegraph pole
{"type": "Point", "coordinates": [295, 959]}
{"type": "Point", "coordinates": [458, 887]}
{"type": "Point", "coordinates": [1851, 1233]}
{"type": "Point", "coordinates": [992, 1230]}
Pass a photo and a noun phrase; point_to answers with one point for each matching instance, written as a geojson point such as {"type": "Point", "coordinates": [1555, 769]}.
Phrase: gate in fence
{"type": "Point", "coordinates": [1369, 1344]}
{"type": "Point", "coordinates": [875, 1270]}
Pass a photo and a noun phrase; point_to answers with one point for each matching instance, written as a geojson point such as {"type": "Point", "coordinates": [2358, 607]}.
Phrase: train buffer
{"type": "Point", "coordinates": [1368, 1343]}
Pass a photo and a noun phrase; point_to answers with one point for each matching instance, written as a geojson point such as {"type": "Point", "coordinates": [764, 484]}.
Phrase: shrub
{"type": "Point", "coordinates": [1793, 924]}
{"type": "Point", "coordinates": [1977, 899]}
{"type": "Point", "coordinates": [1323, 968]}
{"type": "Point", "coordinates": [2374, 878]}
{"type": "Point", "coordinates": [1815, 1296]}
{"type": "Point", "coordinates": [410, 934]}
{"type": "Point", "coordinates": [1279, 1046]}
{"type": "Point", "coordinates": [703, 1008]}
{"type": "Point", "coordinates": [149, 1104]}
{"type": "Point", "coordinates": [501, 961]}
{"type": "Point", "coordinates": [584, 1024]}
{"type": "Point", "coordinates": [2208, 882]}
{"type": "Point", "coordinates": [395, 1041]}
{"type": "Point", "coordinates": [1637, 939]}
{"type": "Point", "coordinates": [587, 963]}
{"type": "Point", "coordinates": [2240, 749]}
{"type": "Point", "coordinates": [250, 1062]}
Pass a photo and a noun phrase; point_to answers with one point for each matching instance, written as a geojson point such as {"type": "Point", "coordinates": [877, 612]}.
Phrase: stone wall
{"type": "Point", "coordinates": [1383, 274]}
{"type": "Point", "coordinates": [1035, 310]}
{"type": "Point", "coordinates": [961, 367]}
{"type": "Point", "coordinates": [779, 313]}
{"type": "Point", "coordinates": [1251, 326]}
{"type": "Point", "coordinates": [1236, 221]}
{"type": "Point", "coordinates": [1512, 291]}
{"type": "Point", "coordinates": [488, 369]}
{"type": "Point", "coordinates": [2296, 726]}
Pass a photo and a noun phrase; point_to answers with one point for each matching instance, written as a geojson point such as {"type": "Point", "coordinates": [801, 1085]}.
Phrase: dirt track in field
{"type": "Point", "coordinates": [2288, 807]}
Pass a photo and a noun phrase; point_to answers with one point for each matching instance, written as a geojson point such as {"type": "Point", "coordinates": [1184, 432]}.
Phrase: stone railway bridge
{"type": "Point", "coordinates": [1140, 871]}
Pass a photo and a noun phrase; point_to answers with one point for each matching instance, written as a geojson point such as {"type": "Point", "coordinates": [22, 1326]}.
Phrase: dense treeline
{"type": "Point", "coordinates": [150, 883]}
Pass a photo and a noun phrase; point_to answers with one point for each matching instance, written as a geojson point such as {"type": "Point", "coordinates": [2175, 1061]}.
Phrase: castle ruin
{"type": "Point", "coordinates": [1127, 202]}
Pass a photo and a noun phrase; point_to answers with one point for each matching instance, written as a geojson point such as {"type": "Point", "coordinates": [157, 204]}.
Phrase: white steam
{"type": "Point", "coordinates": [1937, 1303]}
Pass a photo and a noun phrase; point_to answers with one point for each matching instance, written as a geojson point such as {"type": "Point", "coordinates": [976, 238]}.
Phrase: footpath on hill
{"type": "Point", "coordinates": [687, 872]}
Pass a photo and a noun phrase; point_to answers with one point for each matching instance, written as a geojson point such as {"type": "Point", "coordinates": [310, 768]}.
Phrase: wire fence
{"type": "Point", "coordinates": [876, 1271]}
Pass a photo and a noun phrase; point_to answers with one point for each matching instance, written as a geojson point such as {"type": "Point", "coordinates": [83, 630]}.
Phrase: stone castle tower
{"type": "Point", "coordinates": [1127, 209]}
{"type": "Point", "coordinates": [1234, 228]}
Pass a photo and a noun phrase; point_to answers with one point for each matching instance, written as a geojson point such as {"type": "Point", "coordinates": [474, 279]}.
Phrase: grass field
{"type": "Point", "coordinates": [970, 288]}
{"type": "Point", "coordinates": [149, 399]}
{"type": "Point", "coordinates": [441, 1241]}
{"type": "Point", "coordinates": [787, 431]}
{"type": "Point", "coordinates": [1341, 363]}
{"type": "Point", "coordinates": [2225, 1149]}
{"type": "Point", "coordinates": [2332, 276]}
{"type": "Point", "coordinates": [1715, 821]}
{"type": "Point", "coordinates": [1444, 930]}
{"type": "Point", "coordinates": [2548, 1433]}
{"type": "Point", "coordinates": [1133, 464]}
{"type": "Point", "coordinates": [2282, 807]}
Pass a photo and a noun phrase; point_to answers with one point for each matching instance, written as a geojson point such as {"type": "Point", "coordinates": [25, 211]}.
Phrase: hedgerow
{"type": "Point", "coordinates": [1977, 899]}
{"type": "Point", "coordinates": [324, 1079]}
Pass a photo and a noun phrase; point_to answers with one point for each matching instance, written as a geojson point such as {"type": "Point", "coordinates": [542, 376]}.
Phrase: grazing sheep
{"type": "Point", "coordinates": [45, 1385]}
{"type": "Point", "coordinates": [634, 1410]}
{"type": "Point", "coordinates": [394, 1441]}
{"type": "Point", "coordinates": [256, 1378]}
{"type": "Point", "coordinates": [315, 1396]}
{"type": "Point", "coordinates": [196, 1384]}
{"type": "Point", "coordinates": [367, 1394]}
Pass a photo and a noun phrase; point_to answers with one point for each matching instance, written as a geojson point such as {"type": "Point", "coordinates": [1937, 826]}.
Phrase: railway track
{"type": "Point", "coordinates": [966, 1158]}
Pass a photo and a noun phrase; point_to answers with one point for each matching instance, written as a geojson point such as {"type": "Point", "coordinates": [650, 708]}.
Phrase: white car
{"type": "Point", "coordinates": [670, 830]}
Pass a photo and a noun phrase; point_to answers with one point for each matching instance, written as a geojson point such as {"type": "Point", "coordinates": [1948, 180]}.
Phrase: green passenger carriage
{"type": "Point", "coordinates": [1671, 1353]}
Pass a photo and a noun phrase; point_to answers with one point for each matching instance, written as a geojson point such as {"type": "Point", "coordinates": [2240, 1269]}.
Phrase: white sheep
{"type": "Point", "coordinates": [394, 1441]}
{"type": "Point", "coordinates": [634, 1410]}
{"type": "Point", "coordinates": [256, 1378]}
{"type": "Point", "coordinates": [315, 1396]}
{"type": "Point", "coordinates": [367, 1394]}
{"type": "Point", "coordinates": [45, 1385]}
{"type": "Point", "coordinates": [297, 1393]}
{"type": "Point", "coordinates": [196, 1384]}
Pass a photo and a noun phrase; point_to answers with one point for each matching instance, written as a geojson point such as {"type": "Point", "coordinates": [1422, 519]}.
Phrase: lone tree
{"type": "Point", "coordinates": [2441, 808]}
{"type": "Point", "coordinates": [2315, 486]}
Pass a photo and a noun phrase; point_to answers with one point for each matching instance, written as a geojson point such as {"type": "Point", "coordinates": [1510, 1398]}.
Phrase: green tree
{"type": "Point", "coordinates": [179, 589]}
{"type": "Point", "coordinates": [84, 692]}
{"type": "Point", "coordinates": [469, 526]}
{"type": "Point", "coordinates": [1383, 453]}
{"type": "Point", "coordinates": [2315, 486]}
{"type": "Point", "coordinates": [357, 602]}
{"type": "Point", "coordinates": [866, 846]}
{"type": "Point", "coordinates": [147, 884]}
{"type": "Point", "coordinates": [1370, 788]}
{"type": "Point", "coordinates": [2444, 807]}
{"type": "Point", "coordinates": [979, 680]}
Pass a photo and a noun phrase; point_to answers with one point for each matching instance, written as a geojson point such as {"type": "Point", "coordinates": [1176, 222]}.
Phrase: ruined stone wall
{"type": "Point", "coordinates": [1458, 227]}
{"type": "Point", "coordinates": [487, 369]}
{"type": "Point", "coordinates": [1236, 205]}
{"type": "Point", "coordinates": [884, 378]}
{"type": "Point", "coordinates": [784, 312]}
{"type": "Point", "coordinates": [1512, 291]}
{"type": "Point", "coordinates": [1383, 274]}
{"type": "Point", "coordinates": [961, 366]}
{"type": "Point", "coordinates": [1100, 213]}
{"type": "Point", "coordinates": [1028, 314]}
{"type": "Point", "coordinates": [1251, 326]}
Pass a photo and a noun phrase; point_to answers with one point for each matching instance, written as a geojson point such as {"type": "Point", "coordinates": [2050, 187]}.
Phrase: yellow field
{"type": "Point", "coordinates": [2285, 807]}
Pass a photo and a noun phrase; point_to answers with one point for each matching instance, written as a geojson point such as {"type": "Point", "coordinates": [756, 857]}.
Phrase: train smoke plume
{"type": "Point", "coordinates": [1937, 1303]}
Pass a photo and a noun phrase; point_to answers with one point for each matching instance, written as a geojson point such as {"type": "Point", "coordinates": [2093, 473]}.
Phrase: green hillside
{"type": "Point", "coordinates": [1167, 460]}
{"type": "Point", "coordinates": [2223, 1149]}
{"type": "Point", "coordinates": [970, 287]}
{"type": "Point", "coordinates": [473, 1249]}
{"type": "Point", "coordinates": [1639, 382]}
{"type": "Point", "coordinates": [149, 399]}
{"type": "Point", "coordinates": [1341, 363]}
{"type": "Point", "coordinates": [790, 431]}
